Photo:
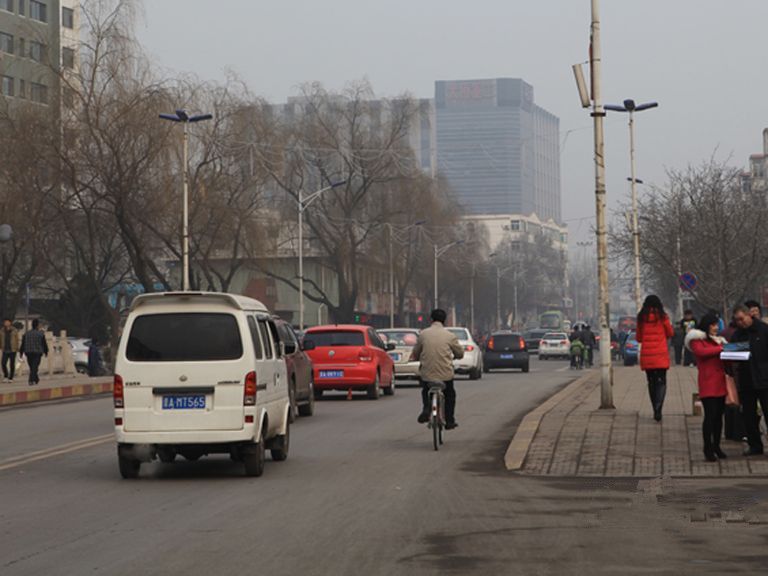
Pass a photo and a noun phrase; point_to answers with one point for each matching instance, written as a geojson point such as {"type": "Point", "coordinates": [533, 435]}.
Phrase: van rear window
{"type": "Point", "coordinates": [186, 337]}
{"type": "Point", "coordinates": [336, 338]}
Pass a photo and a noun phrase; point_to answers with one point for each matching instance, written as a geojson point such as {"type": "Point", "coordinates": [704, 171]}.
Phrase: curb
{"type": "Point", "coordinates": [55, 393]}
{"type": "Point", "coordinates": [521, 442]}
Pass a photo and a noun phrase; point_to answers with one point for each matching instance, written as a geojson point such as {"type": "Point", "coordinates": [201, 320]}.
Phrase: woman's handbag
{"type": "Point", "coordinates": [732, 393]}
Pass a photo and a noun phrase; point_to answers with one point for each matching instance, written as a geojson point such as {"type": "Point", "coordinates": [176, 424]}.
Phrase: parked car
{"type": "Point", "coordinates": [404, 340]}
{"type": "Point", "coordinates": [554, 345]}
{"type": "Point", "coordinates": [631, 349]}
{"type": "Point", "coordinates": [506, 349]}
{"type": "Point", "coordinates": [532, 339]}
{"type": "Point", "coordinates": [80, 353]}
{"type": "Point", "coordinates": [196, 374]}
{"type": "Point", "coordinates": [350, 357]}
{"type": "Point", "coordinates": [299, 367]}
{"type": "Point", "coordinates": [472, 363]}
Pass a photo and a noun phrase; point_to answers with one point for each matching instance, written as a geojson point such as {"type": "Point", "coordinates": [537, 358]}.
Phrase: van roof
{"type": "Point", "coordinates": [234, 300]}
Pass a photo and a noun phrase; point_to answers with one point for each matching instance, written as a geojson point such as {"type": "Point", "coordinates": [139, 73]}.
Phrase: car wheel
{"type": "Point", "coordinates": [526, 368]}
{"type": "Point", "coordinates": [309, 408]}
{"type": "Point", "coordinates": [374, 390]}
{"type": "Point", "coordinates": [390, 390]}
{"type": "Point", "coordinates": [253, 458]}
{"type": "Point", "coordinates": [166, 456]}
{"type": "Point", "coordinates": [129, 467]}
{"type": "Point", "coordinates": [486, 370]}
{"type": "Point", "coordinates": [80, 369]}
{"type": "Point", "coordinates": [475, 374]}
{"type": "Point", "coordinates": [317, 393]}
{"type": "Point", "coordinates": [281, 445]}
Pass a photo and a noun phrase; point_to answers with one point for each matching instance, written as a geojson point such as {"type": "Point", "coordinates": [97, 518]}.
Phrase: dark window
{"type": "Point", "coordinates": [6, 42]}
{"type": "Point", "coordinates": [506, 342]}
{"type": "Point", "coordinates": [257, 349]}
{"type": "Point", "coordinates": [265, 338]}
{"type": "Point", "coordinates": [68, 58]}
{"type": "Point", "coordinates": [184, 337]}
{"type": "Point", "coordinates": [38, 93]}
{"type": "Point", "coordinates": [36, 50]}
{"type": "Point", "coordinates": [7, 85]}
{"type": "Point", "coordinates": [275, 339]}
{"type": "Point", "coordinates": [21, 7]}
{"type": "Point", "coordinates": [22, 89]}
{"type": "Point", "coordinates": [38, 11]}
{"type": "Point", "coordinates": [375, 340]}
{"type": "Point", "coordinates": [336, 338]}
{"type": "Point", "coordinates": [6, 5]}
{"type": "Point", "coordinates": [68, 18]}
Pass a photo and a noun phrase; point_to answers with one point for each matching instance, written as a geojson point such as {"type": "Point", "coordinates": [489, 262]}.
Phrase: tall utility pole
{"type": "Point", "coordinates": [598, 114]}
{"type": "Point", "coordinates": [631, 107]}
{"type": "Point", "coordinates": [439, 251]}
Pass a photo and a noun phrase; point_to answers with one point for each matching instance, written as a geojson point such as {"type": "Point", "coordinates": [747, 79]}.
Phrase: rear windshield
{"type": "Point", "coordinates": [460, 333]}
{"type": "Point", "coordinates": [336, 338]}
{"type": "Point", "coordinates": [555, 336]}
{"type": "Point", "coordinates": [507, 341]}
{"type": "Point", "coordinates": [186, 337]}
{"type": "Point", "coordinates": [399, 338]}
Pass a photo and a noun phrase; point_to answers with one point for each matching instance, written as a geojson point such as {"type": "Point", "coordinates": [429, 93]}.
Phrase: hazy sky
{"type": "Point", "coordinates": [703, 60]}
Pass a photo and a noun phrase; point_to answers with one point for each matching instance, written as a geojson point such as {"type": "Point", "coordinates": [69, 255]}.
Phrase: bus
{"type": "Point", "coordinates": [553, 320]}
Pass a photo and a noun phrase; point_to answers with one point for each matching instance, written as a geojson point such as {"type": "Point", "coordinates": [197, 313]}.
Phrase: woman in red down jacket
{"type": "Point", "coordinates": [653, 333]}
{"type": "Point", "coordinates": [706, 345]}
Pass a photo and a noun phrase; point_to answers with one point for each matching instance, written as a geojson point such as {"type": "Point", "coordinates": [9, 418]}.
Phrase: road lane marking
{"type": "Point", "coordinates": [16, 461]}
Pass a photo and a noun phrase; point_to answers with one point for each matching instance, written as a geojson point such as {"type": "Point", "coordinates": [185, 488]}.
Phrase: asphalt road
{"type": "Point", "coordinates": [361, 493]}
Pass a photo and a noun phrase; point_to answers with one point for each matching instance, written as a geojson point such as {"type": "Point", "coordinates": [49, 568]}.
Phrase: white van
{"type": "Point", "coordinates": [197, 374]}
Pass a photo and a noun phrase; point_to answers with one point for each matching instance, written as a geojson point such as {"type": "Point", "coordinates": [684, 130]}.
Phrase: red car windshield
{"type": "Point", "coordinates": [335, 338]}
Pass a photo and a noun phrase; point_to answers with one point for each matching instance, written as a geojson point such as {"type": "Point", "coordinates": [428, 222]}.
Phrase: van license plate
{"type": "Point", "coordinates": [331, 373]}
{"type": "Point", "coordinates": [188, 402]}
{"type": "Point", "coordinates": [507, 356]}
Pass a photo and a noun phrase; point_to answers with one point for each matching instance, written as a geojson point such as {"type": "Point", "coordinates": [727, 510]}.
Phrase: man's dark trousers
{"type": "Point", "coordinates": [34, 366]}
{"type": "Point", "coordinates": [450, 400]}
{"type": "Point", "coordinates": [9, 364]}
{"type": "Point", "coordinates": [749, 398]}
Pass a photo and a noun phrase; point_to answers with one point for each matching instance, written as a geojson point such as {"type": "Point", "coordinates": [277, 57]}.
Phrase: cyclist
{"type": "Point", "coordinates": [436, 350]}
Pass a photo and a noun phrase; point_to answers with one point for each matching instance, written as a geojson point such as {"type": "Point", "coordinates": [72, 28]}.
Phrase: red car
{"type": "Point", "coordinates": [350, 357]}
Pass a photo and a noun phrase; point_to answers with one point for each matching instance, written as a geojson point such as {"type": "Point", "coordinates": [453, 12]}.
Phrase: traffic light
{"type": "Point", "coordinates": [357, 318]}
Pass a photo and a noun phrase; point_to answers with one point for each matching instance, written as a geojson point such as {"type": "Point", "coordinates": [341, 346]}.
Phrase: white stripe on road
{"type": "Point", "coordinates": [16, 461]}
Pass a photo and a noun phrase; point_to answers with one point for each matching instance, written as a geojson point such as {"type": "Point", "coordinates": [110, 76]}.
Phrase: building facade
{"type": "Point", "coordinates": [498, 150]}
{"type": "Point", "coordinates": [38, 39]}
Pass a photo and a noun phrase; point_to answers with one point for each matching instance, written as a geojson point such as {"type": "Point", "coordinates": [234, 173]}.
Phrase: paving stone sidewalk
{"type": "Point", "coordinates": [569, 436]}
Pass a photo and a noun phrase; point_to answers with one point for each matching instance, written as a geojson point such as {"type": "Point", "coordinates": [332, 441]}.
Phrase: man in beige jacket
{"type": "Point", "coordinates": [436, 350]}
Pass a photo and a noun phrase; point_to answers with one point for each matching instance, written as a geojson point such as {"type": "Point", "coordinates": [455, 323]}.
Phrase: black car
{"type": "Point", "coordinates": [532, 339]}
{"type": "Point", "coordinates": [505, 350]}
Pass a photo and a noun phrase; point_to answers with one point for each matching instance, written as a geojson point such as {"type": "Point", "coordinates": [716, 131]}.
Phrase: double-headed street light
{"type": "Point", "coordinates": [631, 107]}
{"type": "Point", "coordinates": [184, 117]}
{"type": "Point", "coordinates": [390, 229]}
{"type": "Point", "coordinates": [303, 204]}
{"type": "Point", "coordinates": [439, 251]}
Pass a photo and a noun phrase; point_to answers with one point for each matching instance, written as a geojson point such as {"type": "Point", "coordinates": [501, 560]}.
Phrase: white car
{"type": "Point", "coordinates": [472, 363]}
{"type": "Point", "coordinates": [197, 374]}
{"type": "Point", "coordinates": [554, 345]}
{"type": "Point", "coordinates": [404, 339]}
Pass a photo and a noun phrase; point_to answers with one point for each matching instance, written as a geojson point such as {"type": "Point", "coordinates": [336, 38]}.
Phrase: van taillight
{"type": "Point", "coordinates": [490, 343]}
{"type": "Point", "coordinates": [365, 355]}
{"type": "Point", "coordinates": [249, 393]}
{"type": "Point", "coordinates": [117, 392]}
{"type": "Point", "coordinates": [469, 348]}
{"type": "Point", "coordinates": [522, 343]}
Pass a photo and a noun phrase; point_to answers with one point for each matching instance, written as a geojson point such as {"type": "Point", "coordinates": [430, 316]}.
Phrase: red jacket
{"type": "Point", "coordinates": [711, 369]}
{"type": "Point", "coordinates": [653, 335]}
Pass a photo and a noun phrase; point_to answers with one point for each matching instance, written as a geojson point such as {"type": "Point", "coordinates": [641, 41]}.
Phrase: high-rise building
{"type": "Point", "coordinates": [38, 39]}
{"type": "Point", "coordinates": [498, 150]}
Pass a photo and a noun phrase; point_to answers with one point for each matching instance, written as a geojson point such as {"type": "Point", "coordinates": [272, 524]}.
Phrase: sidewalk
{"type": "Point", "coordinates": [53, 387]}
{"type": "Point", "coordinates": [569, 436]}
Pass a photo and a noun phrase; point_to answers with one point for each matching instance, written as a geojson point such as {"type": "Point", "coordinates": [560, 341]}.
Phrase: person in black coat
{"type": "Point", "coordinates": [752, 375]}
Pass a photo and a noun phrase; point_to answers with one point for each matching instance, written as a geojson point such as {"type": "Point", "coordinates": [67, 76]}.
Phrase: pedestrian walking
{"type": "Point", "coordinates": [678, 342]}
{"type": "Point", "coordinates": [94, 358]}
{"type": "Point", "coordinates": [653, 333]}
{"type": "Point", "coordinates": [752, 375]}
{"type": "Point", "coordinates": [706, 345]}
{"type": "Point", "coordinates": [34, 345]}
{"type": "Point", "coordinates": [9, 344]}
{"type": "Point", "coordinates": [687, 324]}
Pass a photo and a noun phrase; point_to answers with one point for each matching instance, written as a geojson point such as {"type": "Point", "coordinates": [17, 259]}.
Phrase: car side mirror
{"type": "Point", "coordinates": [390, 346]}
{"type": "Point", "coordinates": [289, 348]}
{"type": "Point", "coordinates": [308, 345]}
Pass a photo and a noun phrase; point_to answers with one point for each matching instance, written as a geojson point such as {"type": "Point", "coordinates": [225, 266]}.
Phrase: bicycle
{"type": "Point", "coordinates": [437, 412]}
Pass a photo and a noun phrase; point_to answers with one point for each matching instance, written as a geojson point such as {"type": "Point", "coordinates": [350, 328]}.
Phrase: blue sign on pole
{"type": "Point", "coordinates": [688, 281]}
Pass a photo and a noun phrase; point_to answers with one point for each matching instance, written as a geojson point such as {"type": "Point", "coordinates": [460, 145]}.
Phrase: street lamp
{"type": "Point", "coordinates": [184, 117]}
{"type": "Point", "coordinates": [392, 267]}
{"type": "Point", "coordinates": [439, 251]}
{"type": "Point", "coordinates": [631, 107]}
{"type": "Point", "coordinates": [304, 203]}
{"type": "Point", "coordinates": [6, 234]}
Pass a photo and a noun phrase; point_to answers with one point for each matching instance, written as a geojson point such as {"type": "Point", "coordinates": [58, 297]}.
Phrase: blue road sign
{"type": "Point", "coordinates": [688, 281]}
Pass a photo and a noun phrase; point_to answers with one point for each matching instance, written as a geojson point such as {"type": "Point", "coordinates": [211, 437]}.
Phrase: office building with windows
{"type": "Point", "coordinates": [38, 39]}
{"type": "Point", "coordinates": [498, 150]}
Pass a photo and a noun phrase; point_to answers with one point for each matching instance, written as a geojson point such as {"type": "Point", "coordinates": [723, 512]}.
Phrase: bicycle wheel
{"type": "Point", "coordinates": [441, 420]}
{"type": "Point", "coordinates": [435, 425]}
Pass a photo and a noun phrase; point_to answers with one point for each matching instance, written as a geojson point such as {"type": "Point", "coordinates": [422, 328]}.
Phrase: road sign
{"type": "Point", "coordinates": [688, 281]}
